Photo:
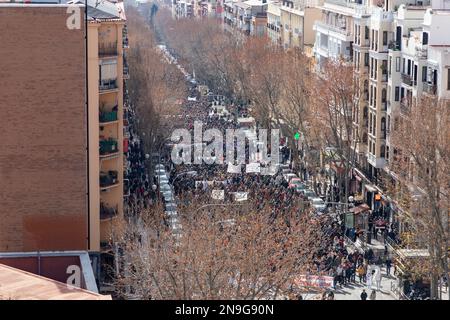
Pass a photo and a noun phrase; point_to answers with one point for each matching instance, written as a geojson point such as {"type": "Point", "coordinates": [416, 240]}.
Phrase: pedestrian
{"type": "Point", "coordinates": [370, 279]}
{"type": "Point", "coordinates": [331, 295]}
{"type": "Point", "coordinates": [360, 271]}
{"type": "Point", "coordinates": [373, 295]}
{"type": "Point", "coordinates": [363, 295]}
{"type": "Point", "coordinates": [388, 266]}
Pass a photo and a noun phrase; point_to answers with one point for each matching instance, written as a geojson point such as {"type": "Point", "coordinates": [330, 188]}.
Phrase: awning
{"type": "Point", "coordinates": [360, 209]}
{"type": "Point", "coordinates": [370, 188]}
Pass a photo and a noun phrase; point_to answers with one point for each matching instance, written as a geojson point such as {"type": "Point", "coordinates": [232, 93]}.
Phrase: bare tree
{"type": "Point", "coordinates": [421, 160]}
{"type": "Point", "coordinates": [220, 255]}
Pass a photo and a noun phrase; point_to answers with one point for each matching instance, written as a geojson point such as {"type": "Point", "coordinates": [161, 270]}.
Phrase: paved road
{"type": "Point", "coordinates": [353, 291]}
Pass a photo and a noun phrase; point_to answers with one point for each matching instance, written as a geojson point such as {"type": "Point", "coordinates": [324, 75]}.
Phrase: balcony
{"type": "Point", "coordinates": [107, 213]}
{"type": "Point", "coordinates": [108, 147]}
{"type": "Point", "coordinates": [107, 50]}
{"type": "Point", "coordinates": [342, 33]}
{"type": "Point", "coordinates": [394, 46]}
{"type": "Point", "coordinates": [376, 162]}
{"type": "Point", "coordinates": [108, 179]}
{"type": "Point", "coordinates": [429, 88]}
{"type": "Point", "coordinates": [105, 117]}
{"type": "Point", "coordinates": [108, 85]}
{"type": "Point", "coordinates": [407, 79]}
{"type": "Point", "coordinates": [404, 107]}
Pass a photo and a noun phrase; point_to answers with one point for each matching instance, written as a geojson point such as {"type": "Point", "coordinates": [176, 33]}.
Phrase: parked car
{"type": "Point", "coordinates": [168, 196]}
{"type": "Point", "coordinates": [294, 182]}
{"type": "Point", "coordinates": [308, 193]}
{"type": "Point", "coordinates": [289, 176]}
{"type": "Point", "coordinates": [170, 206]}
{"type": "Point", "coordinates": [319, 204]}
{"type": "Point", "coordinates": [165, 187]}
{"type": "Point", "coordinates": [159, 172]}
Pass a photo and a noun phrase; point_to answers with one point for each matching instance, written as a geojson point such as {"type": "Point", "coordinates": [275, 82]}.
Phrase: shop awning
{"type": "Point", "coordinates": [370, 188]}
{"type": "Point", "coordinates": [360, 209]}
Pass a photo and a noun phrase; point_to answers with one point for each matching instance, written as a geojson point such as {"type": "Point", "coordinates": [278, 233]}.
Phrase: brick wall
{"type": "Point", "coordinates": [43, 202]}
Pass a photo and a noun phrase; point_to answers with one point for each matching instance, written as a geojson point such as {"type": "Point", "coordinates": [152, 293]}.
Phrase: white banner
{"type": "Point", "coordinates": [234, 169]}
{"type": "Point", "coordinates": [314, 281]}
{"type": "Point", "coordinates": [253, 168]}
{"type": "Point", "coordinates": [240, 196]}
{"type": "Point", "coordinates": [218, 194]}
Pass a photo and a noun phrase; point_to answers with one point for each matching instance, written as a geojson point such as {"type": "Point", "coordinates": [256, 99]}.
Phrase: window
{"type": "Point", "coordinates": [385, 38]}
{"type": "Point", "coordinates": [424, 74]}
{"type": "Point", "coordinates": [425, 38]}
{"type": "Point", "coordinates": [366, 59]}
{"type": "Point", "coordinates": [397, 64]}
{"type": "Point", "coordinates": [382, 151]}
{"type": "Point", "coordinates": [366, 33]}
{"type": "Point", "coordinates": [448, 79]}
{"type": "Point", "coordinates": [397, 93]}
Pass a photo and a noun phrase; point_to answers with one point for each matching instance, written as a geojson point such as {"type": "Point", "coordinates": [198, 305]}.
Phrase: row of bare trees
{"type": "Point", "coordinates": [221, 254]}
{"type": "Point", "coordinates": [154, 87]}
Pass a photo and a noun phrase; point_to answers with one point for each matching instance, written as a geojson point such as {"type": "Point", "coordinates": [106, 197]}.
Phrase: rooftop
{"type": "Point", "coordinates": [16, 284]}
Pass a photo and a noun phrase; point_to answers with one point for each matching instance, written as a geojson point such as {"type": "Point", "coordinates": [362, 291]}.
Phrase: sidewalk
{"type": "Point", "coordinates": [353, 291]}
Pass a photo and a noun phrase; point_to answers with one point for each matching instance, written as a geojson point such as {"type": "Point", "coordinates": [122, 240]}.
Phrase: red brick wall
{"type": "Point", "coordinates": [43, 202]}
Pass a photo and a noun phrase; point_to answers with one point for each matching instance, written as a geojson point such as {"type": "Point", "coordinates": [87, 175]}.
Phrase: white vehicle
{"type": "Point", "coordinates": [159, 172]}
{"type": "Point", "coordinates": [319, 204]}
{"type": "Point", "coordinates": [192, 98]}
{"type": "Point", "coordinates": [168, 196]}
{"type": "Point", "coordinates": [289, 176]}
{"type": "Point", "coordinates": [171, 213]}
{"type": "Point", "coordinates": [163, 180]}
{"type": "Point", "coordinates": [171, 206]}
{"type": "Point", "coordinates": [308, 193]}
{"type": "Point", "coordinates": [159, 167]}
{"type": "Point", "coordinates": [165, 187]}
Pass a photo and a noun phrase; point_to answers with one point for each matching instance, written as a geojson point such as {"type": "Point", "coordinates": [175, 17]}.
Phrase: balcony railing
{"type": "Point", "coordinates": [107, 50]}
{"type": "Point", "coordinates": [429, 88]}
{"type": "Point", "coordinates": [106, 212]}
{"type": "Point", "coordinates": [108, 179]}
{"type": "Point", "coordinates": [107, 116]}
{"type": "Point", "coordinates": [105, 85]}
{"type": "Point", "coordinates": [337, 29]}
{"type": "Point", "coordinates": [108, 146]}
{"type": "Point", "coordinates": [394, 46]}
{"type": "Point", "coordinates": [407, 79]}
{"type": "Point", "coordinates": [404, 107]}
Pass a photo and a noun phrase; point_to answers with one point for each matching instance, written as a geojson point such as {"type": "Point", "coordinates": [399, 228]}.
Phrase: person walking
{"type": "Point", "coordinates": [373, 295]}
{"type": "Point", "coordinates": [388, 266]}
{"type": "Point", "coordinates": [363, 295]}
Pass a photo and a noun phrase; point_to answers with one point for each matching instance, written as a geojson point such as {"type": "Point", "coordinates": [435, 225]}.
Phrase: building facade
{"type": "Point", "coordinates": [62, 171]}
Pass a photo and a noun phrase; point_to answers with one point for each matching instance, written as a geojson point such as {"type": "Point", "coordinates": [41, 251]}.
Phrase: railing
{"type": "Point", "coordinates": [107, 116]}
{"type": "Point", "coordinates": [429, 88]}
{"type": "Point", "coordinates": [394, 46]}
{"type": "Point", "coordinates": [107, 85]}
{"type": "Point", "coordinates": [404, 107]}
{"type": "Point", "coordinates": [107, 50]}
{"type": "Point", "coordinates": [407, 79]}
{"type": "Point", "coordinates": [106, 212]}
{"type": "Point", "coordinates": [108, 179]}
{"type": "Point", "coordinates": [342, 31]}
{"type": "Point", "coordinates": [108, 146]}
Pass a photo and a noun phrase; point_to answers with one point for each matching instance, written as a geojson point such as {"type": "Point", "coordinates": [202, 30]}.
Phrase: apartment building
{"type": "Point", "coordinates": [297, 20]}
{"type": "Point", "coordinates": [247, 17]}
{"type": "Point", "coordinates": [334, 31]}
{"type": "Point", "coordinates": [274, 22]}
{"type": "Point", "coordinates": [62, 161]}
{"type": "Point", "coordinates": [106, 43]}
{"type": "Point", "coordinates": [419, 59]}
